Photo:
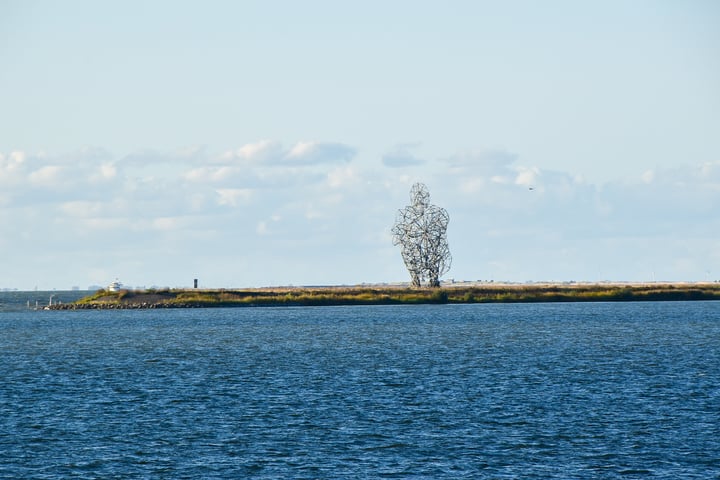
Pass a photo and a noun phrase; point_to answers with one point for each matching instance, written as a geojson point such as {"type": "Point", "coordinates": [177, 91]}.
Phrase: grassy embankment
{"type": "Point", "coordinates": [381, 295]}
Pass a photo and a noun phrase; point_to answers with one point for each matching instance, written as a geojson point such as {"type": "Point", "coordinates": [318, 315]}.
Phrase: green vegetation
{"type": "Point", "coordinates": [387, 295]}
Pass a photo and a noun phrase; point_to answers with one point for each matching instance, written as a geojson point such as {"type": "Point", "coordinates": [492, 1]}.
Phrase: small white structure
{"type": "Point", "coordinates": [114, 286]}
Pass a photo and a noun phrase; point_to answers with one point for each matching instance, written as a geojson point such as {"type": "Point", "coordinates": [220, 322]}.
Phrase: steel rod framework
{"type": "Point", "coordinates": [420, 230]}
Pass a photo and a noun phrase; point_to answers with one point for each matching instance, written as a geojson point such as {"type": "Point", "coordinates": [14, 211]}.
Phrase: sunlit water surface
{"type": "Point", "coordinates": [613, 390]}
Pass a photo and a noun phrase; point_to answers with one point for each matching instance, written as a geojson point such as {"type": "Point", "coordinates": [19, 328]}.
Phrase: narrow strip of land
{"type": "Point", "coordinates": [391, 295]}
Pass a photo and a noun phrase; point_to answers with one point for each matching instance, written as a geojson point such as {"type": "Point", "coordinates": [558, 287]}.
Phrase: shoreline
{"type": "Point", "coordinates": [394, 295]}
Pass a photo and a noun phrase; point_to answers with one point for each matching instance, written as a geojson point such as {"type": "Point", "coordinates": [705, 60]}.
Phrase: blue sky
{"type": "Point", "coordinates": [259, 143]}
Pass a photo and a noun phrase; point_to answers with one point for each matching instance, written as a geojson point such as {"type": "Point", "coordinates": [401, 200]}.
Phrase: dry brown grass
{"type": "Point", "coordinates": [399, 294]}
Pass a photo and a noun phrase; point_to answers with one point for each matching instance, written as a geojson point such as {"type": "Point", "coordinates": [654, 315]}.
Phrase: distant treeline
{"type": "Point", "coordinates": [376, 295]}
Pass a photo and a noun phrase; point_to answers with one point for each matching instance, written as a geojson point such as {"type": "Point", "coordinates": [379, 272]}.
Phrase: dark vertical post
{"type": "Point", "coordinates": [195, 283]}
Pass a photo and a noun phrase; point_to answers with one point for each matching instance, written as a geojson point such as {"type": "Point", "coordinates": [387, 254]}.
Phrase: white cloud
{"type": "Point", "coordinates": [302, 149]}
{"type": "Point", "coordinates": [221, 174]}
{"type": "Point", "coordinates": [267, 165]}
{"type": "Point", "coordinates": [342, 177]}
{"type": "Point", "coordinates": [487, 175]}
{"type": "Point", "coordinates": [648, 176]}
{"type": "Point", "coordinates": [303, 153]}
{"type": "Point", "coordinates": [706, 174]}
{"type": "Point", "coordinates": [325, 209]}
{"type": "Point", "coordinates": [12, 168]}
{"type": "Point", "coordinates": [260, 151]}
{"type": "Point", "coordinates": [17, 157]}
{"type": "Point", "coordinates": [108, 171]}
{"type": "Point", "coordinates": [710, 170]}
{"type": "Point", "coordinates": [233, 197]}
{"type": "Point", "coordinates": [191, 152]}
{"type": "Point", "coordinates": [311, 153]}
{"type": "Point", "coordinates": [527, 176]}
{"type": "Point", "coordinates": [46, 176]}
{"type": "Point", "coordinates": [12, 162]}
{"type": "Point", "coordinates": [166, 223]}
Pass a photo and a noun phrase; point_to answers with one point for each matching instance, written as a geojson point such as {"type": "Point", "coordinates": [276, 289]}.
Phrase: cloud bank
{"type": "Point", "coordinates": [319, 213]}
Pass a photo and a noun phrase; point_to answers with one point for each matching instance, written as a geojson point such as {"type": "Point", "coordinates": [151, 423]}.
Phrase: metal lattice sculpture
{"type": "Point", "coordinates": [420, 229]}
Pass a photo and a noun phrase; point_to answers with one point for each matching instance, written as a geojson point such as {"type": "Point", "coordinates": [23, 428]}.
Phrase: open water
{"type": "Point", "coordinates": [603, 390]}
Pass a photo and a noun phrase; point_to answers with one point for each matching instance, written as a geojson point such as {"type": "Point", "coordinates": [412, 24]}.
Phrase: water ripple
{"type": "Point", "coordinates": [475, 391]}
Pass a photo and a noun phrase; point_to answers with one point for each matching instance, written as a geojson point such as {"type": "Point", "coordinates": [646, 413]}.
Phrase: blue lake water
{"type": "Point", "coordinates": [602, 390]}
